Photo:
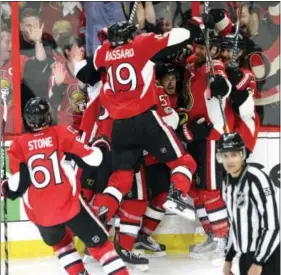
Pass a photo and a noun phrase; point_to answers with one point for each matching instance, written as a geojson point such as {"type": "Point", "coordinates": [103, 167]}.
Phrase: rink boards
{"type": "Point", "coordinates": [176, 233]}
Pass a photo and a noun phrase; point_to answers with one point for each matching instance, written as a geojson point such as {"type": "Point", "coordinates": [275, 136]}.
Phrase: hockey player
{"type": "Point", "coordinates": [205, 125]}
{"type": "Point", "coordinates": [51, 195]}
{"type": "Point", "coordinates": [157, 174]}
{"type": "Point", "coordinates": [129, 97]}
{"type": "Point", "coordinates": [252, 205]}
{"type": "Point", "coordinates": [243, 93]}
{"type": "Point", "coordinates": [96, 127]}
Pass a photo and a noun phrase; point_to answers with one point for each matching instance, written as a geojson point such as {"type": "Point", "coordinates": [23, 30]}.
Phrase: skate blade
{"type": "Point", "coordinates": [151, 254]}
{"type": "Point", "coordinates": [187, 213]}
{"type": "Point", "coordinates": [137, 267]}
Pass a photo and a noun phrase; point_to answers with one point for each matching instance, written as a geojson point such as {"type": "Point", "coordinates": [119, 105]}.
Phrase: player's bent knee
{"type": "Point", "coordinates": [184, 161]}
{"type": "Point", "coordinates": [122, 180]}
{"type": "Point", "coordinates": [64, 243]}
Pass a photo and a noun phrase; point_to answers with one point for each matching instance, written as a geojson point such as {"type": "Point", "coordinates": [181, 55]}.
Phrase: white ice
{"type": "Point", "coordinates": [170, 265]}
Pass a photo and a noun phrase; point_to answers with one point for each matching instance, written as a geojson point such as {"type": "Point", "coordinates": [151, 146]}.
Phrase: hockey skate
{"type": "Point", "coordinates": [203, 250]}
{"type": "Point", "coordinates": [175, 203]}
{"type": "Point", "coordinates": [133, 261]}
{"type": "Point", "coordinates": [147, 246]}
{"type": "Point", "coordinates": [217, 258]}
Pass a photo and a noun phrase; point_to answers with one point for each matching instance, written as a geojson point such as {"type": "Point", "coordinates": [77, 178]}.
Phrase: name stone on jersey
{"type": "Point", "coordinates": [40, 143]}
{"type": "Point", "coordinates": [119, 54]}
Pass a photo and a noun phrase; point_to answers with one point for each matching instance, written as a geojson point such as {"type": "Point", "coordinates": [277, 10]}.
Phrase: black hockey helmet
{"type": "Point", "coordinates": [213, 39]}
{"type": "Point", "coordinates": [37, 114]}
{"type": "Point", "coordinates": [230, 142]}
{"type": "Point", "coordinates": [163, 69]}
{"type": "Point", "coordinates": [119, 33]}
{"type": "Point", "coordinates": [228, 41]}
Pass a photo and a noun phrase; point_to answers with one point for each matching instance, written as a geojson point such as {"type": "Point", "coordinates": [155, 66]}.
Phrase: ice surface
{"type": "Point", "coordinates": [170, 265]}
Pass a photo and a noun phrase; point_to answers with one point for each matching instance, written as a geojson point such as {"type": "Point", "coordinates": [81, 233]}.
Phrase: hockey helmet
{"type": "Point", "coordinates": [119, 33]}
{"type": "Point", "coordinates": [37, 114]}
{"type": "Point", "coordinates": [163, 69]}
{"type": "Point", "coordinates": [230, 142]}
{"type": "Point", "coordinates": [228, 41]}
{"type": "Point", "coordinates": [213, 39]}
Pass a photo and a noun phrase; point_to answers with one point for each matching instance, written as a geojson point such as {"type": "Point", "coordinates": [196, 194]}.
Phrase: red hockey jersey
{"type": "Point", "coordinates": [130, 86]}
{"type": "Point", "coordinates": [200, 103]}
{"type": "Point", "coordinates": [52, 196]}
{"type": "Point", "coordinates": [247, 123]}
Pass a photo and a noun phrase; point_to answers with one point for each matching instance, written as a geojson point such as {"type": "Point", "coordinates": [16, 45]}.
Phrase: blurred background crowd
{"type": "Point", "coordinates": [50, 31]}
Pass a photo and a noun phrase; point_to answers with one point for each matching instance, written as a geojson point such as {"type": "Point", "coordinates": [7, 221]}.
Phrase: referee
{"type": "Point", "coordinates": [253, 212]}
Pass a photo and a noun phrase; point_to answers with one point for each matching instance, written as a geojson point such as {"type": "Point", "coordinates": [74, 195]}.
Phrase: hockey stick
{"type": "Point", "coordinates": [209, 64]}
{"type": "Point", "coordinates": [133, 13]}
{"type": "Point", "coordinates": [235, 47]}
{"type": "Point", "coordinates": [3, 177]}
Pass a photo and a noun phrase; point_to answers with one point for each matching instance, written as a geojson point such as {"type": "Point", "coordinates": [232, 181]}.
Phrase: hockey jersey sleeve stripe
{"type": "Point", "coordinates": [78, 66]}
{"type": "Point", "coordinates": [147, 74]}
{"type": "Point", "coordinates": [177, 36]}
{"type": "Point", "coordinates": [95, 57]}
{"type": "Point", "coordinates": [19, 182]}
{"type": "Point", "coordinates": [94, 158]}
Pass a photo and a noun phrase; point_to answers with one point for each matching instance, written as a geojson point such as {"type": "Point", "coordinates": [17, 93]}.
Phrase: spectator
{"type": "Point", "coordinates": [32, 36]}
{"type": "Point", "coordinates": [263, 56]}
{"type": "Point", "coordinates": [68, 96]}
{"type": "Point", "coordinates": [30, 74]}
{"type": "Point", "coordinates": [99, 15]}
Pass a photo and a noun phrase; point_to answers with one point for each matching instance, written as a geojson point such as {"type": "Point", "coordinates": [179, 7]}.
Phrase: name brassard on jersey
{"type": "Point", "coordinates": [119, 53]}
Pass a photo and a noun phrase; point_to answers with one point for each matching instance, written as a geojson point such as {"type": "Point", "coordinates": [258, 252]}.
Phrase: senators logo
{"type": "Point", "coordinates": [78, 101]}
{"type": "Point", "coordinates": [6, 91]}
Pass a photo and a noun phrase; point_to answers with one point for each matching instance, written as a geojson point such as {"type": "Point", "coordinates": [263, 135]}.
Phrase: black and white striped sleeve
{"type": "Point", "coordinates": [264, 195]}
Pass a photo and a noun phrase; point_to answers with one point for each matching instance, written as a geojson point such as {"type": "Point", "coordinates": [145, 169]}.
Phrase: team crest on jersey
{"type": "Point", "coordinates": [78, 101]}
{"type": "Point", "coordinates": [6, 91]}
{"type": "Point", "coordinates": [240, 199]}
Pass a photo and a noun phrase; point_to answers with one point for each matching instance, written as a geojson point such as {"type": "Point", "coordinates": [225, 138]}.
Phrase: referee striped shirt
{"type": "Point", "coordinates": [253, 211]}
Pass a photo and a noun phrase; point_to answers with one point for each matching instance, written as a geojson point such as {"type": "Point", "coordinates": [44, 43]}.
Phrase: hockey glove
{"type": "Point", "coordinates": [218, 86]}
{"type": "Point", "coordinates": [183, 115]}
{"type": "Point", "coordinates": [103, 143]}
{"type": "Point", "coordinates": [242, 102]}
{"type": "Point", "coordinates": [214, 16]}
{"type": "Point", "coordinates": [234, 75]}
{"type": "Point", "coordinates": [198, 129]}
{"type": "Point", "coordinates": [4, 188]}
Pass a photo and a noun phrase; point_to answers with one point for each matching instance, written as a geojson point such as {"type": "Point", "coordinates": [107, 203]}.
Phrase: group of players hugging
{"type": "Point", "coordinates": [145, 142]}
